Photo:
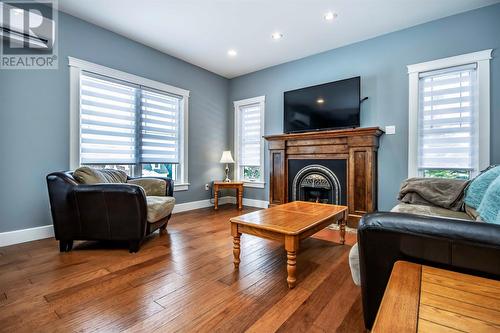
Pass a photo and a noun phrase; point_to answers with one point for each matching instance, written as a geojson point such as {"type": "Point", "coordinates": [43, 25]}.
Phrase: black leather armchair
{"type": "Point", "coordinates": [100, 211]}
{"type": "Point", "coordinates": [384, 238]}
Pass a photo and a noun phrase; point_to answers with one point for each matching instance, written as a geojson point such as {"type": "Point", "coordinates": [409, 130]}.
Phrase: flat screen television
{"type": "Point", "coordinates": [326, 106]}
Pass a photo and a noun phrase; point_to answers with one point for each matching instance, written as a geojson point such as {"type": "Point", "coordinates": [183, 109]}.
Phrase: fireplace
{"type": "Point", "coordinates": [350, 154]}
{"type": "Point", "coordinates": [317, 181]}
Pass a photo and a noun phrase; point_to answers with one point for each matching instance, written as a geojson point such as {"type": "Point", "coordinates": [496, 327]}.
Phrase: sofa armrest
{"type": "Point", "coordinates": [384, 238]}
{"type": "Point", "coordinates": [110, 211]}
{"type": "Point", "coordinates": [149, 185]}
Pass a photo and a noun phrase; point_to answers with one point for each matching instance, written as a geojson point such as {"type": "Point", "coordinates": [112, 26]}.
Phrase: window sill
{"type": "Point", "coordinates": [255, 184]}
{"type": "Point", "coordinates": [181, 187]}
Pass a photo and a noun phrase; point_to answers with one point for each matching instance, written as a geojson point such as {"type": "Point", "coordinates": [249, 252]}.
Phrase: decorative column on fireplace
{"type": "Point", "coordinates": [335, 167]}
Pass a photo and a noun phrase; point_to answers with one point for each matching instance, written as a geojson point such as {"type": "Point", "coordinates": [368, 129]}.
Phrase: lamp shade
{"type": "Point", "coordinates": [226, 157]}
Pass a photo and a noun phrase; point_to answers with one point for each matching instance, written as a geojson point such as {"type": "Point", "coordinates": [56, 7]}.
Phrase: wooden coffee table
{"type": "Point", "coordinates": [288, 223]}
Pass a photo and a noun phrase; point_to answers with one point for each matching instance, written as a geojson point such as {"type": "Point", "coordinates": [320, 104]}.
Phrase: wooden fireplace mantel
{"type": "Point", "coordinates": [357, 146]}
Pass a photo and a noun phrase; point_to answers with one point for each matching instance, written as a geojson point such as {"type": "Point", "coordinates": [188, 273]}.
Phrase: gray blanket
{"type": "Point", "coordinates": [446, 193]}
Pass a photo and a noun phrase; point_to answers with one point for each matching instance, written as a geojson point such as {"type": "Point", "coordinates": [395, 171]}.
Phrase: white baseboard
{"type": "Point", "coordinates": [47, 231]}
{"type": "Point", "coordinates": [249, 202]}
{"type": "Point", "coordinates": [26, 235]}
{"type": "Point", "coordinates": [255, 203]}
{"type": "Point", "coordinates": [184, 207]}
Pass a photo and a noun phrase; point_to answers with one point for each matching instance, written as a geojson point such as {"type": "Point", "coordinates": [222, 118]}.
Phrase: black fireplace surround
{"type": "Point", "coordinates": [314, 180]}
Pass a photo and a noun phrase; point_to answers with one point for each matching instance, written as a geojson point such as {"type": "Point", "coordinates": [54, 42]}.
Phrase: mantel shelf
{"type": "Point", "coordinates": [362, 131]}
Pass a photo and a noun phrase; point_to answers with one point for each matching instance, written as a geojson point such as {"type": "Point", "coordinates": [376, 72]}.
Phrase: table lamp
{"type": "Point", "coordinates": [227, 158]}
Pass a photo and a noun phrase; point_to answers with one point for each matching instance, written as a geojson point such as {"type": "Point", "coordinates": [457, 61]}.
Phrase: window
{"type": "Point", "coordinates": [449, 117]}
{"type": "Point", "coordinates": [249, 146]}
{"type": "Point", "coordinates": [128, 123]}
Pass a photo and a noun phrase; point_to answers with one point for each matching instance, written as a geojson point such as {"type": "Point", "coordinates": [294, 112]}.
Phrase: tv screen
{"type": "Point", "coordinates": [331, 105]}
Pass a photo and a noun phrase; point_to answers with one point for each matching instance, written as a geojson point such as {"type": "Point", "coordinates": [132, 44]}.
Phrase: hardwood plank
{"type": "Point", "coordinates": [265, 293]}
{"type": "Point", "coordinates": [332, 315]}
{"type": "Point", "coordinates": [273, 318]}
{"type": "Point", "coordinates": [304, 317]}
{"type": "Point", "coordinates": [350, 322]}
{"type": "Point", "coordinates": [401, 300]}
{"type": "Point", "coordinates": [3, 298]}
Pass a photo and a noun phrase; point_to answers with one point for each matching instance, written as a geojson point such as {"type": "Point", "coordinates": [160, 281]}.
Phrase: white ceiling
{"type": "Point", "coordinates": [202, 31]}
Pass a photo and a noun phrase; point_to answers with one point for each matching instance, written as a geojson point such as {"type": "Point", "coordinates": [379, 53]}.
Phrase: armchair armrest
{"type": "Point", "coordinates": [152, 187]}
{"type": "Point", "coordinates": [384, 238]}
{"type": "Point", "coordinates": [111, 211]}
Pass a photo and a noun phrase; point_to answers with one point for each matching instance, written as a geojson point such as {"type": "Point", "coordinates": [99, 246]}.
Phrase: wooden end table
{"type": "Point", "coordinates": [238, 186]}
{"type": "Point", "coordinates": [288, 223]}
{"type": "Point", "coordinates": [420, 298]}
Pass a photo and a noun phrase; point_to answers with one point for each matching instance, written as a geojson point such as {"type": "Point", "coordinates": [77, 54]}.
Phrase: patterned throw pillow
{"type": "Point", "coordinates": [490, 206]}
{"type": "Point", "coordinates": [477, 188]}
{"type": "Point", "coordinates": [88, 175]}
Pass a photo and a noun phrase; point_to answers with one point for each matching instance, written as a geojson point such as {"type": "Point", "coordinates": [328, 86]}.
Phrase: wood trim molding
{"type": "Point", "coordinates": [76, 66]}
{"type": "Point", "coordinates": [124, 76]}
{"type": "Point", "coordinates": [482, 59]}
{"type": "Point", "coordinates": [367, 131]}
{"type": "Point", "coordinates": [26, 235]}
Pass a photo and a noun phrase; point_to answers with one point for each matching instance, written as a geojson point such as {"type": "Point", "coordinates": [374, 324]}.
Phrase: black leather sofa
{"type": "Point", "coordinates": [384, 238]}
{"type": "Point", "coordinates": [112, 211]}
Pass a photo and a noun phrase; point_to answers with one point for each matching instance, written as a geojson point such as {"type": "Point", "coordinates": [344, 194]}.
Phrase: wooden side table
{"type": "Point", "coordinates": [238, 186]}
{"type": "Point", "coordinates": [426, 299]}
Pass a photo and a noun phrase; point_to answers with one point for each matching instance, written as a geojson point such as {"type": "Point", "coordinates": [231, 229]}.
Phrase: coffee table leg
{"type": "Point", "coordinates": [236, 245]}
{"type": "Point", "coordinates": [291, 265]}
{"type": "Point", "coordinates": [342, 231]}
{"type": "Point", "coordinates": [291, 247]}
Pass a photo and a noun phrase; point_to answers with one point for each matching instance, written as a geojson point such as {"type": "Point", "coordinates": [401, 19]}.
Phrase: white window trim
{"type": "Point", "coordinates": [76, 66]}
{"type": "Point", "coordinates": [482, 59]}
{"type": "Point", "coordinates": [237, 104]}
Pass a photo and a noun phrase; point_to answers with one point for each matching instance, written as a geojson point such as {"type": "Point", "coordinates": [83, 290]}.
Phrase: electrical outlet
{"type": "Point", "coordinates": [207, 187]}
{"type": "Point", "coordinates": [390, 129]}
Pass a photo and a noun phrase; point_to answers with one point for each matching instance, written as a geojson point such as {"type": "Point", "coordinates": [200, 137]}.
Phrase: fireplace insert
{"type": "Point", "coordinates": [321, 181]}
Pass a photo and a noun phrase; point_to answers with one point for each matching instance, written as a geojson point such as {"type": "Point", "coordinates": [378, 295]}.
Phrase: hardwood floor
{"type": "Point", "coordinates": [182, 280]}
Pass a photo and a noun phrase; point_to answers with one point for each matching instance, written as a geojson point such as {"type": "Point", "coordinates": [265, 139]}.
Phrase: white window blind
{"type": "Point", "coordinates": [160, 127]}
{"type": "Point", "coordinates": [107, 121]}
{"type": "Point", "coordinates": [448, 119]}
{"type": "Point", "coordinates": [123, 123]}
{"type": "Point", "coordinates": [250, 135]}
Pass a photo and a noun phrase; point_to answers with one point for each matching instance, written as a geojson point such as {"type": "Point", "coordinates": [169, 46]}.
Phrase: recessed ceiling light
{"type": "Point", "coordinates": [232, 53]}
{"type": "Point", "coordinates": [277, 35]}
{"type": "Point", "coordinates": [320, 101]}
{"type": "Point", "coordinates": [329, 16]}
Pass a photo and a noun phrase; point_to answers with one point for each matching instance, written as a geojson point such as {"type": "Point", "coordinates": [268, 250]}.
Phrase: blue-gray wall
{"type": "Point", "coordinates": [381, 62]}
{"type": "Point", "coordinates": [34, 118]}
{"type": "Point", "coordinates": [34, 113]}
